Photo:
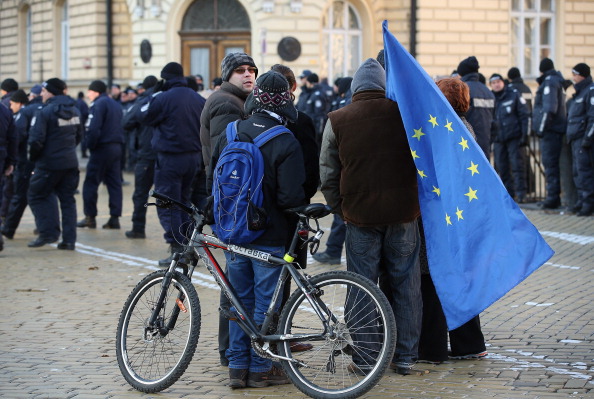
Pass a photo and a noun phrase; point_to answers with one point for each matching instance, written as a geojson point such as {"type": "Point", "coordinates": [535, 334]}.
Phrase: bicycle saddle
{"type": "Point", "coordinates": [314, 211]}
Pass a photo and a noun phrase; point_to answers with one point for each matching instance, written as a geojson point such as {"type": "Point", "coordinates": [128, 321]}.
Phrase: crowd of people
{"type": "Point", "coordinates": [346, 140]}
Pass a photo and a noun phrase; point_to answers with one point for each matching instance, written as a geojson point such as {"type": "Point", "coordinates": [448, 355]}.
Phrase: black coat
{"type": "Point", "coordinates": [580, 110]}
{"type": "Point", "coordinates": [481, 112]}
{"type": "Point", "coordinates": [511, 115]}
{"type": "Point", "coordinates": [104, 125]}
{"type": "Point", "coordinates": [549, 104]}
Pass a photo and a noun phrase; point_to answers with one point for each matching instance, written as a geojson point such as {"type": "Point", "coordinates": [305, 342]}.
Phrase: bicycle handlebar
{"type": "Point", "coordinates": [161, 197]}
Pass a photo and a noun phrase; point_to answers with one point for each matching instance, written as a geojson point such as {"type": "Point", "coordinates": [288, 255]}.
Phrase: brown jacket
{"type": "Point", "coordinates": [367, 171]}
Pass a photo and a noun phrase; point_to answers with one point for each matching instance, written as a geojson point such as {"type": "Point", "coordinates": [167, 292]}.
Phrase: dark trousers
{"type": "Point", "coordinates": [104, 167]}
{"type": "Point", "coordinates": [336, 238]}
{"type": "Point", "coordinates": [174, 173]}
{"type": "Point", "coordinates": [144, 175]}
{"type": "Point", "coordinates": [44, 187]}
{"type": "Point", "coordinates": [583, 172]}
{"type": "Point", "coordinates": [18, 203]}
{"type": "Point", "coordinates": [507, 154]}
{"type": "Point", "coordinates": [550, 145]}
{"type": "Point", "coordinates": [7, 193]}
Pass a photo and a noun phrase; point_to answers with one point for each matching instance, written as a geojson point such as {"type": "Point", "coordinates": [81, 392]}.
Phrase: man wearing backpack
{"type": "Point", "coordinates": [270, 105]}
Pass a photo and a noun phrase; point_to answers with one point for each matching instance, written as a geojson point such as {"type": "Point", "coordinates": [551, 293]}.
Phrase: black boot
{"type": "Point", "coordinates": [113, 223]}
{"type": "Point", "coordinates": [88, 221]}
{"type": "Point", "coordinates": [173, 248]}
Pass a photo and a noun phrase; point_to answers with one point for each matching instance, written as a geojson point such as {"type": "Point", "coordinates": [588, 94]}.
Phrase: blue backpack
{"type": "Point", "coordinates": [237, 187]}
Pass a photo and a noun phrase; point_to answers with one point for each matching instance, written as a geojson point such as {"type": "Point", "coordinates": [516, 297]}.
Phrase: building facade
{"type": "Point", "coordinates": [125, 40]}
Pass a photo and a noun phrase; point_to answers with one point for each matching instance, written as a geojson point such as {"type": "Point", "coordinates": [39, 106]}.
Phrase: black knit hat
{"type": "Point", "coordinates": [99, 86]}
{"type": "Point", "coordinates": [272, 93]}
{"type": "Point", "coordinates": [344, 84]}
{"type": "Point", "coordinates": [313, 78]}
{"type": "Point", "coordinates": [513, 73]}
{"type": "Point", "coordinates": [19, 96]}
{"type": "Point", "coordinates": [546, 65]}
{"type": "Point", "coordinates": [232, 61]}
{"type": "Point", "coordinates": [9, 85]}
{"type": "Point", "coordinates": [496, 76]}
{"type": "Point", "coordinates": [149, 81]}
{"type": "Point", "coordinates": [581, 69]}
{"type": "Point", "coordinates": [55, 86]}
{"type": "Point", "coordinates": [172, 70]}
{"type": "Point", "coordinates": [468, 65]}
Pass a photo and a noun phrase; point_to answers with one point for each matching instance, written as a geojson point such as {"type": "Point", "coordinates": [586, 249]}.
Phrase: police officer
{"type": "Point", "coordinates": [482, 103]}
{"type": "Point", "coordinates": [510, 133]}
{"type": "Point", "coordinates": [549, 120]}
{"type": "Point", "coordinates": [317, 105]}
{"type": "Point", "coordinates": [104, 138]}
{"type": "Point", "coordinates": [55, 132]}
{"type": "Point", "coordinates": [144, 170]}
{"type": "Point", "coordinates": [24, 167]}
{"type": "Point", "coordinates": [8, 150]}
{"type": "Point", "coordinates": [580, 132]}
{"type": "Point", "coordinates": [174, 112]}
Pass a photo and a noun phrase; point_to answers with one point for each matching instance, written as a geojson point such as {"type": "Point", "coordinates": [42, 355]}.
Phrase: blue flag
{"type": "Point", "coordinates": [479, 243]}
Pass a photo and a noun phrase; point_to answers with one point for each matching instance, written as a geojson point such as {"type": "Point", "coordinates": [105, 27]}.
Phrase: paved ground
{"type": "Point", "coordinates": [59, 313]}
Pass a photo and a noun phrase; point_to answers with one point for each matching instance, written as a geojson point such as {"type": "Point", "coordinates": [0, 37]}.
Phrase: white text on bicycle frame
{"type": "Point", "coordinates": [252, 253]}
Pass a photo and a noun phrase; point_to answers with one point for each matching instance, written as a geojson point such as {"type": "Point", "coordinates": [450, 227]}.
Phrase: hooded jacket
{"type": "Point", "coordinates": [580, 110]}
{"type": "Point", "coordinates": [549, 104]}
{"type": "Point", "coordinates": [54, 134]}
{"type": "Point", "coordinates": [367, 172]}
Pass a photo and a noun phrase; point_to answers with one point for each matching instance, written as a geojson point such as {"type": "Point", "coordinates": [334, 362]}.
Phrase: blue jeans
{"type": "Point", "coordinates": [391, 253]}
{"type": "Point", "coordinates": [254, 282]}
{"type": "Point", "coordinates": [336, 238]}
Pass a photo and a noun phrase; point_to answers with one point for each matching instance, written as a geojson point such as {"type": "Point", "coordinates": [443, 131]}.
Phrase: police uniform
{"type": "Point", "coordinates": [55, 132]}
{"type": "Point", "coordinates": [511, 131]}
{"type": "Point", "coordinates": [580, 126]}
{"type": "Point", "coordinates": [549, 123]}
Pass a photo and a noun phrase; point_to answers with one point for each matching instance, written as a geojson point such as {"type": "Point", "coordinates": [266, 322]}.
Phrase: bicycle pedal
{"type": "Point", "coordinates": [228, 314]}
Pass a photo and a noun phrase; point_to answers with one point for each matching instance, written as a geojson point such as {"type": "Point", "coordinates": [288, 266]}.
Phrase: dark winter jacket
{"type": "Point", "coordinates": [549, 104]}
{"type": "Point", "coordinates": [54, 134]}
{"type": "Point", "coordinates": [23, 124]}
{"type": "Point", "coordinates": [104, 125]}
{"type": "Point", "coordinates": [511, 115]}
{"type": "Point", "coordinates": [519, 85]}
{"type": "Point", "coordinates": [304, 131]}
{"type": "Point", "coordinates": [175, 115]}
{"type": "Point", "coordinates": [223, 106]}
{"type": "Point", "coordinates": [481, 112]}
{"type": "Point", "coordinates": [8, 139]}
{"type": "Point", "coordinates": [142, 134]}
{"type": "Point", "coordinates": [284, 175]}
{"type": "Point", "coordinates": [580, 110]}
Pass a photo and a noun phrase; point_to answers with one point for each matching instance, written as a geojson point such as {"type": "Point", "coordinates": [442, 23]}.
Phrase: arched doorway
{"type": "Point", "coordinates": [210, 30]}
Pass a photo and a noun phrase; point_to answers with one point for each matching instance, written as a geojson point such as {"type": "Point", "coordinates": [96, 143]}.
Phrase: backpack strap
{"type": "Point", "coordinates": [269, 134]}
{"type": "Point", "coordinates": [231, 131]}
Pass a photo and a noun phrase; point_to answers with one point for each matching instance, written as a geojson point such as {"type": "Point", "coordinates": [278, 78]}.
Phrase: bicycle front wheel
{"type": "Point", "coordinates": [152, 358]}
{"type": "Point", "coordinates": [353, 354]}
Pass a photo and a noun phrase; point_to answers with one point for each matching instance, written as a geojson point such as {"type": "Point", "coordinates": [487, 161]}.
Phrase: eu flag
{"type": "Point", "coordinates": [479, 243]}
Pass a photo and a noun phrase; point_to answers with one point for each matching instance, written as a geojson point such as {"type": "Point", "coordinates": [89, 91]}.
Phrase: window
{"type": "Point", "coordinates": [533, 34]}
{"type": "Point", "coordinates": [64, 41]}
{"type": "Point", "coordinates": [341, 41]}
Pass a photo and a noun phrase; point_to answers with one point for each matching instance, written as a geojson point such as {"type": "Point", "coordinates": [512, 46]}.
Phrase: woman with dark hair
{"type": "Point", "coordinates": [466, 341]}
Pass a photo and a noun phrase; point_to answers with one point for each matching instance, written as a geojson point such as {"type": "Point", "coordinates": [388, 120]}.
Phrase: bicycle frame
{"type": "Point", "coordinates": [200, 247]}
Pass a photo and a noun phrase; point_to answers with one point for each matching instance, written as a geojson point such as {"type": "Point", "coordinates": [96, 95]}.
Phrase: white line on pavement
{"type": "Point", "coordinates": [574, 238]}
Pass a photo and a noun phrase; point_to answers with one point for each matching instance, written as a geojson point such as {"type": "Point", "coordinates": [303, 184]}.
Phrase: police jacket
{"type": "Point", "coordinates": [175, 115]}
{"type": "Point", "coordinates": [142, 134]}
{"type": "Point", "coordinates": [519, 85]}
{"type": "Point", "coordinates": [549, 104]}
{"type": "Point", "coordinates": [317, 108]}
{"type": "Point", "coordinates": [23, 124]}
{"type": "Point", "coordinates": [284, 175]}
{"type": "Point", "coordinates": [580, 113]}
{"type": "Point", "coordinates": [8, 139]}
{"type": "Point", "coordinates": [55, 132]}
{"type": "Point", "coordinates": [223, 106]}
{"type": "Point", "coordinates": [511, 115]}
{"type": "Point", "coordinates": [104, 125]}
{"type": "Point", "coordinates": [303, 97]}
{"type": "Point", "coordinates": [482, 110]}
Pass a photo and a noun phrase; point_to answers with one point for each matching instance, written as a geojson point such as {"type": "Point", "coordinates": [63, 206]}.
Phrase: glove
{"type": "Point", "coordinates": [208, 210]}
{"type": "Point", "coordinates": [524, 140]}
{"type": "Point", "coordinates": [586, 142]}
{"type": "Point", "coordinates": [35, 149]}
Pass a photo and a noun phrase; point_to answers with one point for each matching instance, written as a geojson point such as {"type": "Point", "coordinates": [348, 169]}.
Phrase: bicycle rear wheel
{"type": "Point", "coordinates": [353, 355]}
{"type": "Point", "coordinates": [152, 359]}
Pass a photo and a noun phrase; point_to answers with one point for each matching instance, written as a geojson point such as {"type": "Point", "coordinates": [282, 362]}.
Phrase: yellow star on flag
{"type": "Point", "coordinates": [436, 191]}
{"type": "Point", "coordinates": [448, 219]}
{"type": "Point", "coordinates": [459, 213]}
{"type": "Point", "coordinates": [449, 126]}
{"type": "Point", "coordinates": [473, 168]}
{"type": "Point", "coordinates": [421, 173]}
{"type": "Point", "coordinates": [414, 154]}
{"type": "Point", "coordinates": [433, 120]}
{"type": "Point", "coordinates": [418, 134]}
{"type": "Point", "coordinates": [464, 144]}
{"type": "Point", "coordinates": [471, 194]}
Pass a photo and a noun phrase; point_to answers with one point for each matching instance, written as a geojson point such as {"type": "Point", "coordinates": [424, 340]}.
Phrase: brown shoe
{"type": "Point", "coordinates": [238, 378]}
{"type": "Point", "coordinates": [88, 221]}
{"type": "Point", "coordinates": [274, 376]}
{"type": "Point", "coordinates": [300, 346]}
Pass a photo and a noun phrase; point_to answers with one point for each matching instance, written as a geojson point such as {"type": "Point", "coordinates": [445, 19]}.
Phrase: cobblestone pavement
{"type": "Point", "coordinates": [59, 312]}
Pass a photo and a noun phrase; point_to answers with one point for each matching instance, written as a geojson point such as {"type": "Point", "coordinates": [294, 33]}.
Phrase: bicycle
{"type": "Point", "coordinates": [344, 315]}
